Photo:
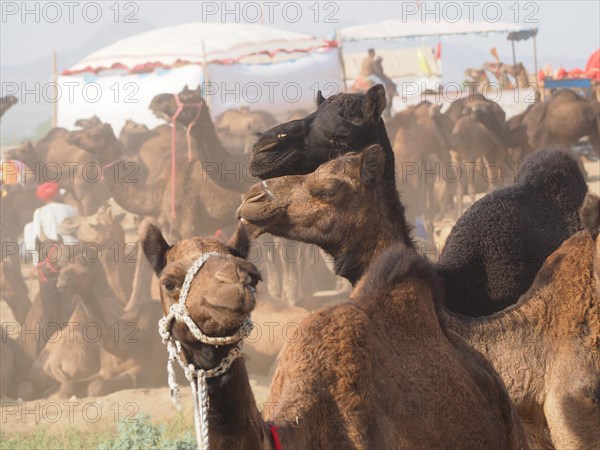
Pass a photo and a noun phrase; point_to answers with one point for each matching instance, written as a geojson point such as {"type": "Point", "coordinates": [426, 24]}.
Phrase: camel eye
{"type": "Point", "coordinates": [169, 285]}
{"type": "Point", "coordinates": [321, 193]}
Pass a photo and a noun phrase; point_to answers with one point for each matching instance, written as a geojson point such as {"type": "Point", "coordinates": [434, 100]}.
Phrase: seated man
{"type": "Point", "coordinates": [47, 218]}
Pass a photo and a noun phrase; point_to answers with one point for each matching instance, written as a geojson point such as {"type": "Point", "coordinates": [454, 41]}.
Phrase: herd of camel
{"type": "Point", "coordinates": [496, 345]}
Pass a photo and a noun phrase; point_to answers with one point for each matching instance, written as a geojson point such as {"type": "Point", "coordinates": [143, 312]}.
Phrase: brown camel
{"type": "Point", "coordinates": [14, 365]}
{"type": "Point", "coordinates": [351, 378]}
{"type": "Point", "coordinates": [480, 137]}
{"type": "Point", "coordinates": [562, 120]}
{"type": "Point", "coordinates": [6, 103]}
{"type": "Point", "coordinates": [237, 128]}
{"type": "Point", "coordinates": [550, 315]}
{"type": "Point", "coordinates": [16, 209]}
{"type": "Point", "coordinates": [118, 258]}
{"type": "Point", "coordinates": [85, 124]}
{"type": "Point", "coordinates": [422, 154]}
{"type": "Point", "coordinates": [130, 359]}
{"type": "Point", "coordinates": [50, 309]}
{"type": "Point", "coordinates": [228, 170]}
{"type": "Point", "coordinates": [590, 218]}
{"type": "Point", "coordinates": [78, 151]}
{"type": "Point", "coordinates": [546, 349]}
{"type": "Point", "coordinates": [142, 185]}
{"type": "Point", "coordinates": [68, 355]}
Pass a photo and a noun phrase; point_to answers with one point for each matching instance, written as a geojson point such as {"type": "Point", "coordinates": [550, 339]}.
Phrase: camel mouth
{"type": "Point", "coordinates": [243, 303]}
{"type": "Point", "coordinates": [161, 115]}
{"type": "Point", "coordinates": [265, 147]}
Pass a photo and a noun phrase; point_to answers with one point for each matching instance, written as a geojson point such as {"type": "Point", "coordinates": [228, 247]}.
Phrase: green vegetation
{"type": "Point", "coordinates": [140, 433]}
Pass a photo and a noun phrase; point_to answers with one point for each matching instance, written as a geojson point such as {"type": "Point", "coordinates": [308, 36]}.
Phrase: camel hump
{"type": "Point", "coordinates": [396, 265]}
{"type": "Point", "coordinates": [551, 166]}
{"type": "Point", "coordinates": [590, 214]}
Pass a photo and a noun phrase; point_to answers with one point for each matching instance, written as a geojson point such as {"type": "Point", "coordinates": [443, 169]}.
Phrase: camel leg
{"type": "Point", "coordinates": [101, 387]}
{"type": "Point", "coordinates": [12, 279]}
{"type": "Point", "coordinates": [573, 415]}
{"type": "Point", "coordinates": [77, 387]}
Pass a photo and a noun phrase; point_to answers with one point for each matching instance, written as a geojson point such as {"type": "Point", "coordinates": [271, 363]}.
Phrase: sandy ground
{"type": "Point", "coordinates": [94, 413]}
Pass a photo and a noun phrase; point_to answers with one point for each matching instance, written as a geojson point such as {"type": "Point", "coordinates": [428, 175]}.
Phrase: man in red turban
{"type": "Point", "coordinates": [47, 218]}
{"type": "Point", "coordinates": [47, 191]}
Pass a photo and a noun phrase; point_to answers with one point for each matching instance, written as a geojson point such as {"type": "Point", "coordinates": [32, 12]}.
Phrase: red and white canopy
{"type": "Point", "coordinates": [199, 42]}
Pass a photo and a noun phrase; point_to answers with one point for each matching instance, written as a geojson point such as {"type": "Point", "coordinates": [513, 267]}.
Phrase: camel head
{"type": "Point", "coordinates": [318, 208]}
{"type": "Point", "coordinates": [77, 276]}
{"type": "Point", "coordinates": [103, 227]}
{"type": "Point", "coordinates": [164, 106]}
{"type": "Point", "coordinates": [132, 127]}
{"type": "Point", "coordinates": [8, 101]}
{"type": "Point", "coordinates": [590, 219]}
{"type": "Point", "coordinates": [221, 294]}
{"type": "Point", "coordinates": [88, 123]}
{"type": "Point", "coordinates": [97, 140]}
{"type": "Point", "coordinates": [341, 124]}
{"type": "Point", "coordinates": [25, 153]}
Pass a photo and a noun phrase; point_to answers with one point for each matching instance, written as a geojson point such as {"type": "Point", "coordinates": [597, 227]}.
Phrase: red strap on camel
{"type": "Point", "coordinates": [180, 107]}
{"type": "Point", "coordinates": [275, 435]}
{"type": "Point", "coordinates": [46, 262]}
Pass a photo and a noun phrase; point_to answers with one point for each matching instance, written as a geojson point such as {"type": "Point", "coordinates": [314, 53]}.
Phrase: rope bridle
{"type": "Point", "coordinates": [196, 376]}
{"type": "Point", "coordinates": [180, 107]}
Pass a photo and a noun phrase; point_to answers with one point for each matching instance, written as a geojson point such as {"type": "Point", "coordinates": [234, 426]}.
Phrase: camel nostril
{"type": "Point", "coordinates": [244, 277]}
{"type": "Point", "coordinates": [226, 278]}
{"type": "Point", "coordinates": [265, 148]}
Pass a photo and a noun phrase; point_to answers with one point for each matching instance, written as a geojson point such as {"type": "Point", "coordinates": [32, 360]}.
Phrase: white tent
{"type": "Point", "coordinates": [237, 65]}
{"type": "Point", "coordinates": [398, 29]}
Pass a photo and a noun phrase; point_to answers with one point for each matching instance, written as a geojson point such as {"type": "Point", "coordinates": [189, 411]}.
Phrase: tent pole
{"type": "Point", "coordinates": [341, 58]}
{"type": "Point", "coordinates": [513, 53]}
{"type": "Point", "coordinates": [55, 90]}
{"type": "Point", "coordinates": [205, 72]}
{"type": "Point", "coordinates": [535, 66]}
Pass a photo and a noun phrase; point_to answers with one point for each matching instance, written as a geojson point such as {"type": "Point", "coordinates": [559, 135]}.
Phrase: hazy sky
{"type": "Point", "coordinates": [568, 29]}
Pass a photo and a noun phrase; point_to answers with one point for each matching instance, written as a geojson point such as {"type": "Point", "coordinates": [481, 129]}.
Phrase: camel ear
{"type": "Point", "coordinates": [320, 98]}
{"type": "Point", "coordinates": [373, 162]}
{"type": "Point", "coordinates": [374, 103]}
{"type": "Point", "coordinates": [155, 247]}
{"type": "Point", "coordinates": [590, 214]}
{"type": "Point", "coordinates": [239, 244]}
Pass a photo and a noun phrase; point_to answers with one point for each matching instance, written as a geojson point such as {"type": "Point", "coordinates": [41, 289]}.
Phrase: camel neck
{"type": "Point", "coordinates": [118, 264]}
{"type": "Point", "coordinates": [353, 256]}
{"type": "Point", "coordinates": [227, 169]}
{"type": "Point", "coordinates": [233, 418]}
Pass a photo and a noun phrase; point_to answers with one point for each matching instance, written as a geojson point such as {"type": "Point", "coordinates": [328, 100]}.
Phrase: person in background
{"type": "Point", "coordinates": [47, 218]}
{"type": "Point", "coordinates": [368, 67]}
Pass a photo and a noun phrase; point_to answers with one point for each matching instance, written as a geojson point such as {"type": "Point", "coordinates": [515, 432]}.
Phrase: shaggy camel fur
{"type": "Point", "coordinates": [496, 248]}
{"type": "Point", "coordinates": [546, 348]}
{"type": "Point", "coordinates": [553, 331]}
{"type": "Point", "coordinates": [352, 378]}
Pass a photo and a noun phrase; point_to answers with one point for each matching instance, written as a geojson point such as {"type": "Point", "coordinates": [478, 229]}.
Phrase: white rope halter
{"type": "Point", "coordinates": [197, 377]}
